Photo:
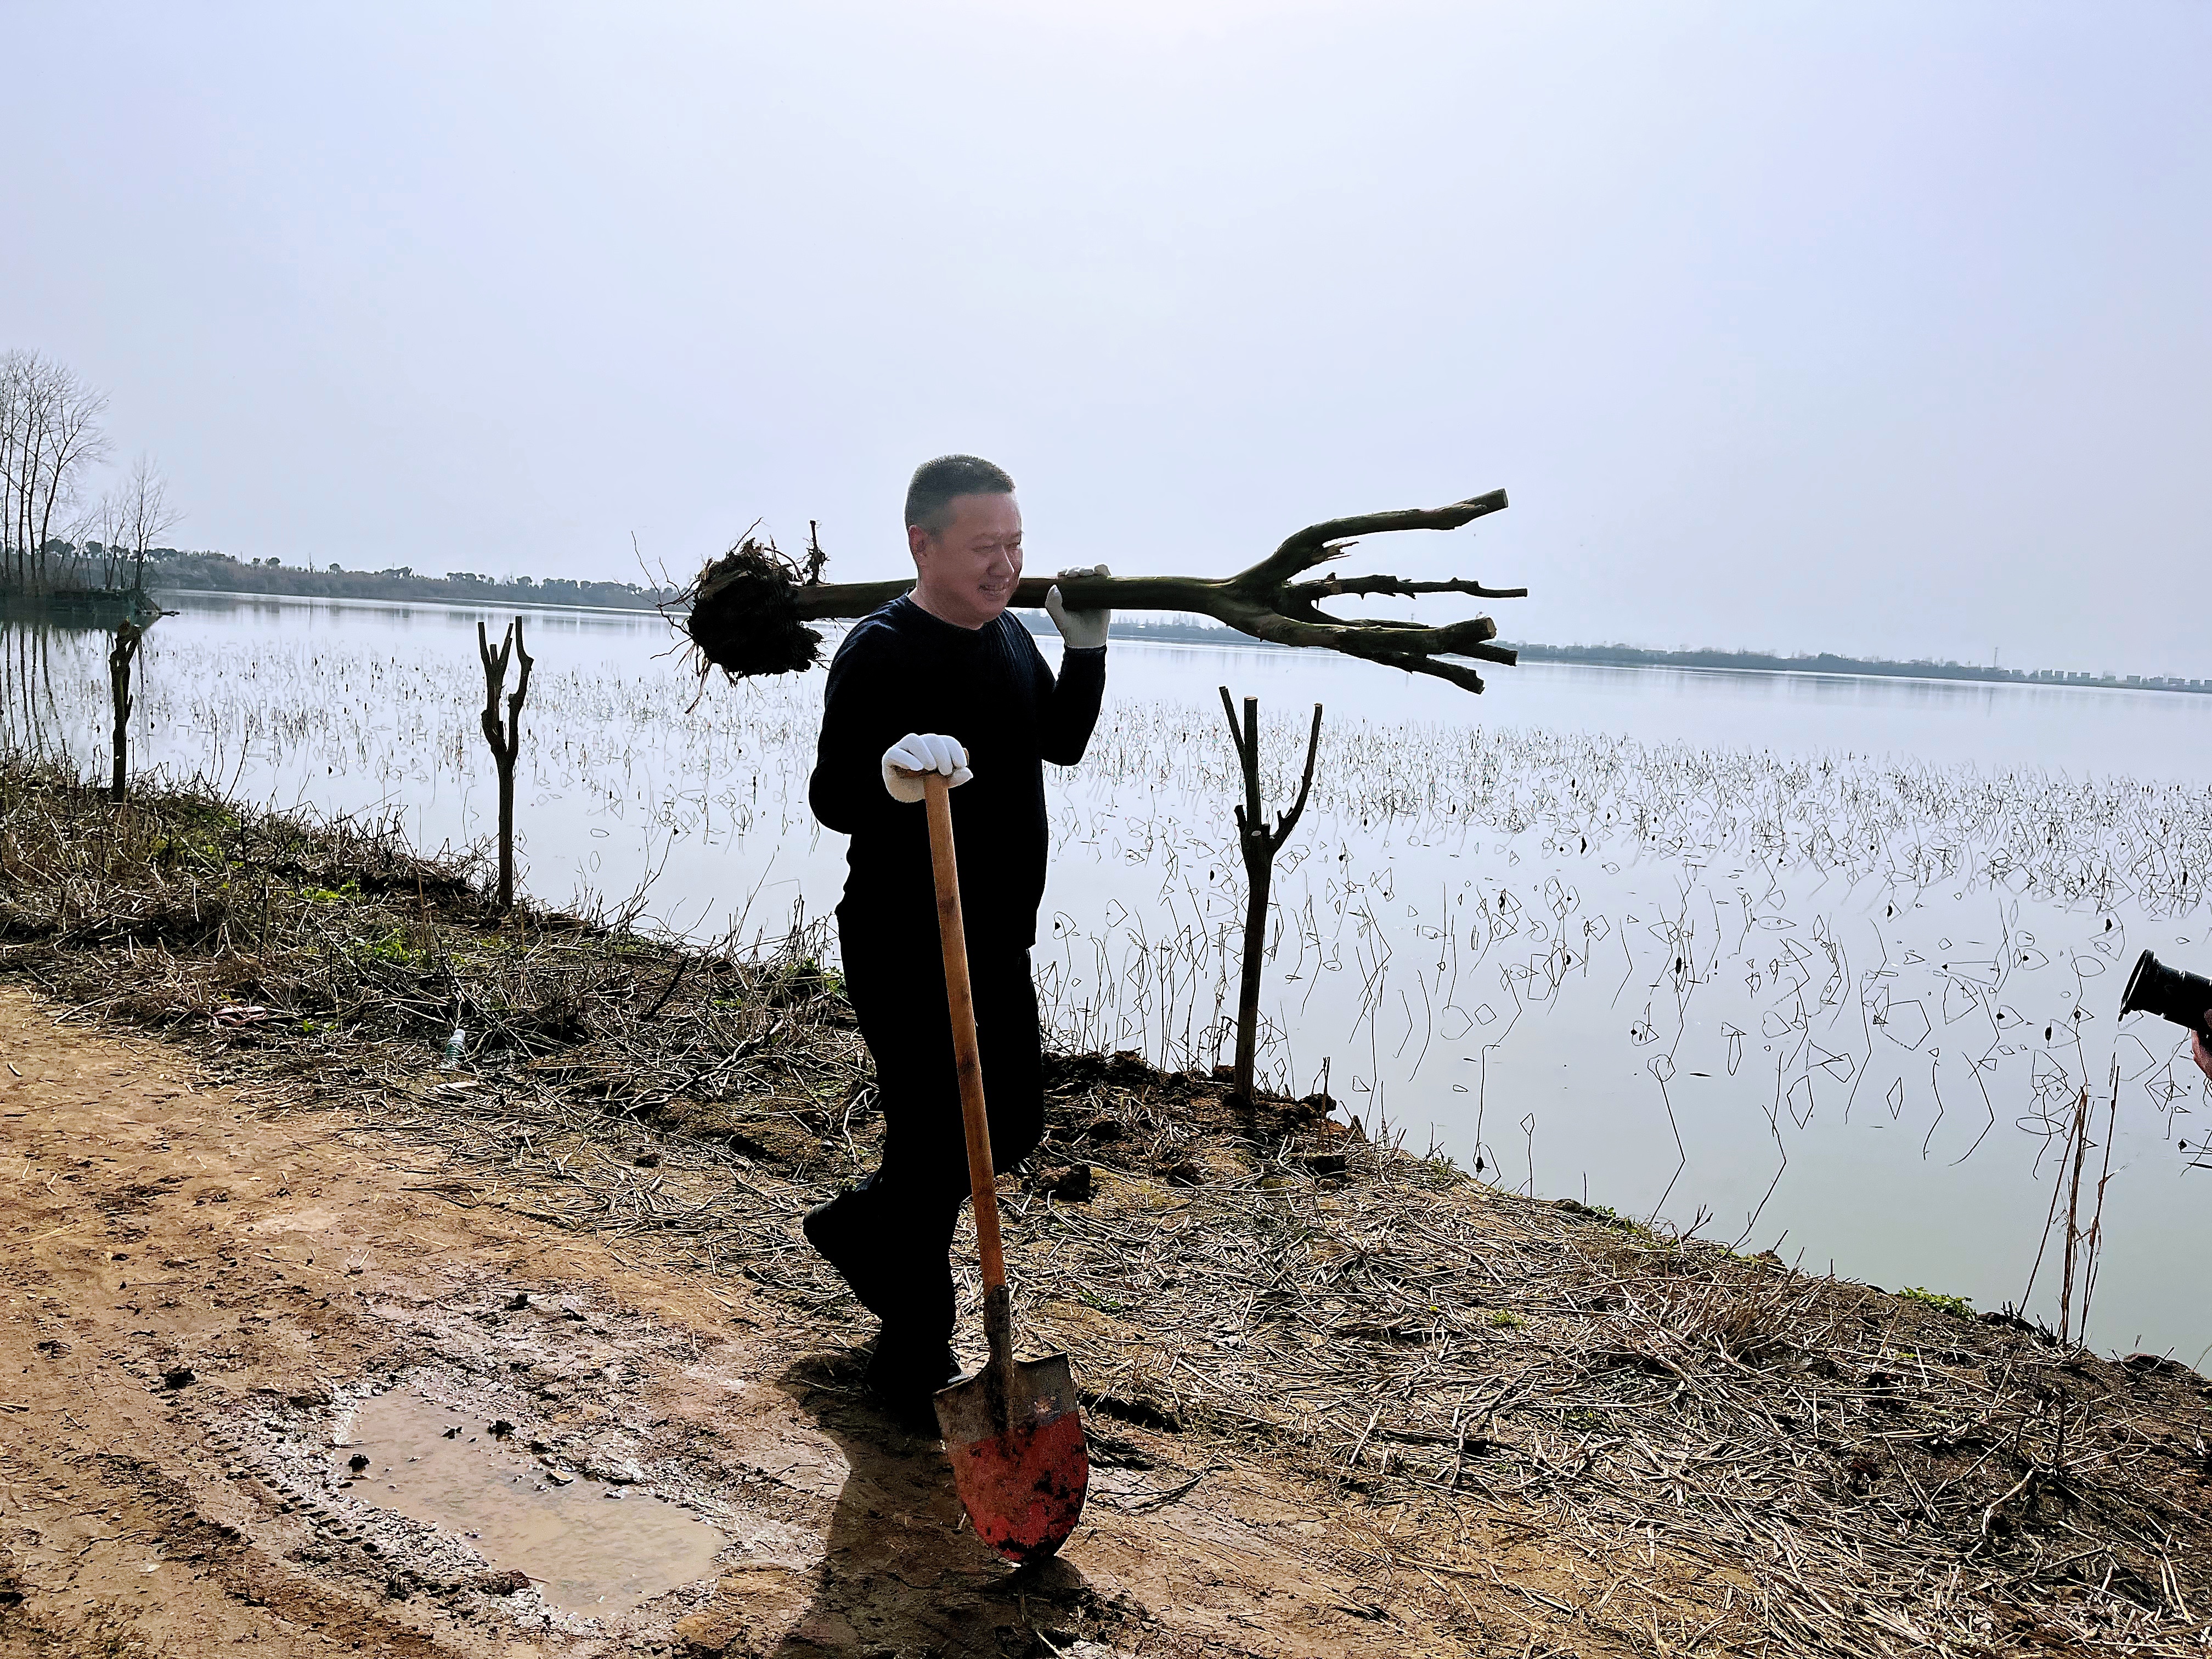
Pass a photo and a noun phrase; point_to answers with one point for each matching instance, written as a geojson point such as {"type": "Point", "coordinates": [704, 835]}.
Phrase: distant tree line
{"type": "Point", "coordinates": [170, 568]}
{"type": "Point", "coordinates": [1826, 662]}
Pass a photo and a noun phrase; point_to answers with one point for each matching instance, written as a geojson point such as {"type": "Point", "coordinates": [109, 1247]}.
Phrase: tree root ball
{"type": "Point", "coordinates": [744, 617]}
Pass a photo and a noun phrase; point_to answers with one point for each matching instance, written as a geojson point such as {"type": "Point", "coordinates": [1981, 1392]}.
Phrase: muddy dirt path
{"type": "Point", "coordinates": [270, 1387]}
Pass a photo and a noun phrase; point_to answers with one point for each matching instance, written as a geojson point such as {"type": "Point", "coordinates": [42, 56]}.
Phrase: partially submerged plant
{"type": "Point", "coordinates": [747, 612]}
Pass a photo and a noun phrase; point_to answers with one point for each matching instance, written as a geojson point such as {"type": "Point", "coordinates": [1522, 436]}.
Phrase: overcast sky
{"type": "Point", "coordinates": [1880, 328]}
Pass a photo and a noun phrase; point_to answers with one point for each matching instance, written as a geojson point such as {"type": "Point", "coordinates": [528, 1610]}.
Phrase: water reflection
{"type": "Point", "coordinates": [49, 670]}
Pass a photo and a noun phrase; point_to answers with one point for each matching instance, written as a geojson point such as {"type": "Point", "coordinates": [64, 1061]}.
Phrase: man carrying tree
{"type": "Point", "coordinates": [941, 679]}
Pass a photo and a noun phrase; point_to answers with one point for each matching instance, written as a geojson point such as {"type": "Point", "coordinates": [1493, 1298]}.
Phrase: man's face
{"type": "Point", "coordinates": [966, 572]}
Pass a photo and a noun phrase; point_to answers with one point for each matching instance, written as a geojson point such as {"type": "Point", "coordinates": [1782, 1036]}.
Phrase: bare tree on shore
{"type": "Point", "coordinates": [50, 434]}
{"type": "Point", "coordinates": [142, 513]}
{"type": "Point", "coordinates": [100, 530]}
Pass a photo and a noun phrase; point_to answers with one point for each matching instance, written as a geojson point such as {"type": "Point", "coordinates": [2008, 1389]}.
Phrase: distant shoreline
{"type": "Point", "coordinates": [217, 573]}
{"type": "Point", "coordinates": [169, 589]}
{"type": "Point", "coordinates": [1625, 656]}
{"type": "Point", "coordinates": [211, 575]}
{"type": "Point", "coordinates": [1757, 662]}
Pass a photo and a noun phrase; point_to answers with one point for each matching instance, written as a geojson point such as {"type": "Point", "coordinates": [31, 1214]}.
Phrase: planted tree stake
{"type": "Point", "coordinates": [129, 636]}
{"type": "Point", "coordinates": [1258, 843]}
{"type": "Point", "coordinates": [748, 610]}
{"type": "Point", "coordinates": [505, 737]}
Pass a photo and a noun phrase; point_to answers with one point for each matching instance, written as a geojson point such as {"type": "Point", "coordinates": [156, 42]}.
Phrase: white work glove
{"type": "Point", "coordinates": [923, 752]}
{"type": "Point", "coordinates": [1082, 630]}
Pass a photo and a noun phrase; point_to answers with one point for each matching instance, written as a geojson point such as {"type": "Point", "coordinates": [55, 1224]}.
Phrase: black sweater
{"type": "Point", "coordinates": [902, 670]}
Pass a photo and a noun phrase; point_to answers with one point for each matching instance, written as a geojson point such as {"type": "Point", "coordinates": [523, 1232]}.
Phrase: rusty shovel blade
{"type": "Point", "coordinates": [1014, 1432]}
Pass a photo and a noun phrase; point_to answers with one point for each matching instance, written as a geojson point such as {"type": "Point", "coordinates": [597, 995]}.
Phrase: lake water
{"type": "Point", "coordinates": [1815, 963]}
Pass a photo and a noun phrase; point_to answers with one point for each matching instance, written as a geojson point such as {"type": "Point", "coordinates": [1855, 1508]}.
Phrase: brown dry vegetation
{"type": "Point", "coordinates": [1495, 1424]}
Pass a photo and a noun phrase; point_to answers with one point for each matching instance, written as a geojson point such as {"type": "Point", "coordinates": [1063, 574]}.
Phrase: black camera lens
{"type": "Point", "coordinates": [2156, 988]}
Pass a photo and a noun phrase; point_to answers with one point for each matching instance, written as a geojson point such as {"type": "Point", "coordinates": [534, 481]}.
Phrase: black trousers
{"type": "Point", "coordinates": [900, 1218]}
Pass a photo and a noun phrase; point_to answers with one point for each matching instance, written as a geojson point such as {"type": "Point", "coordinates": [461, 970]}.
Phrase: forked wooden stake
{"type": "Point", "coordinates": [505, 739]}
{"type": "Point", "coordinates": [1258, 843]}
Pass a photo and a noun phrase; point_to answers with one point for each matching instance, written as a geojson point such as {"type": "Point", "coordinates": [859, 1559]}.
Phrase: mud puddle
{"type": "Point", "coordinates": [591, 1547]}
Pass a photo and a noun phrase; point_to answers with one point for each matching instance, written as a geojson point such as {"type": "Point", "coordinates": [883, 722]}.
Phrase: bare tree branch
{"type": "Point", "coordinates": [146, 512]}
{"type": "Point", "coordinates": [1330, 586]}
{"type": "Point", "coordinates": [1318, 543]}
{"type": "Point", "coordinates": [1288, 821]}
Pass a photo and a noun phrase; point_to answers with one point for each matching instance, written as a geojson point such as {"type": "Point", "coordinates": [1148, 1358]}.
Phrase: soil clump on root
{"type": "Point", "coordinates": [741, 613]}
{"type": "Point", "coordinates": [1341, 1398]}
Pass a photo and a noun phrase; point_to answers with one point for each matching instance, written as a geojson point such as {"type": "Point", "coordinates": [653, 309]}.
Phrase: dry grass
{"type": "Point", "coordinates": [1684, 1440]}
{"type": "Point", "coordinates": [1547, 1429]}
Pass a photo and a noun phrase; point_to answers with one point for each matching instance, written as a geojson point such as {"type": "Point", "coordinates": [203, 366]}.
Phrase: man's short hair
{"type": "Point", "coordinates": [929, 497]}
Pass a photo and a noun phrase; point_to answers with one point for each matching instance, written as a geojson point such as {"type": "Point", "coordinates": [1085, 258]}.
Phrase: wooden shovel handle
{"type": "Point", "coordinates": [960, 998]}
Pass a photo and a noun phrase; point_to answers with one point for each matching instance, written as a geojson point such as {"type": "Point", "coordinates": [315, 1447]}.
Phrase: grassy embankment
{"type": "Point", "coordinates": [1486, 1380]}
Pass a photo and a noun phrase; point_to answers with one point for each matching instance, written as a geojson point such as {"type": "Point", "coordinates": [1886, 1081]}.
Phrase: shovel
{"type": "Point", "coordinates": [1013, 1430]}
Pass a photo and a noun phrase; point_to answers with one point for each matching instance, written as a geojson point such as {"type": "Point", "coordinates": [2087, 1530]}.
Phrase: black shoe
{"type": "Point", "coordinates": [830, 1231]}
{"type": "Point", "coordinates": [905, 1373]}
